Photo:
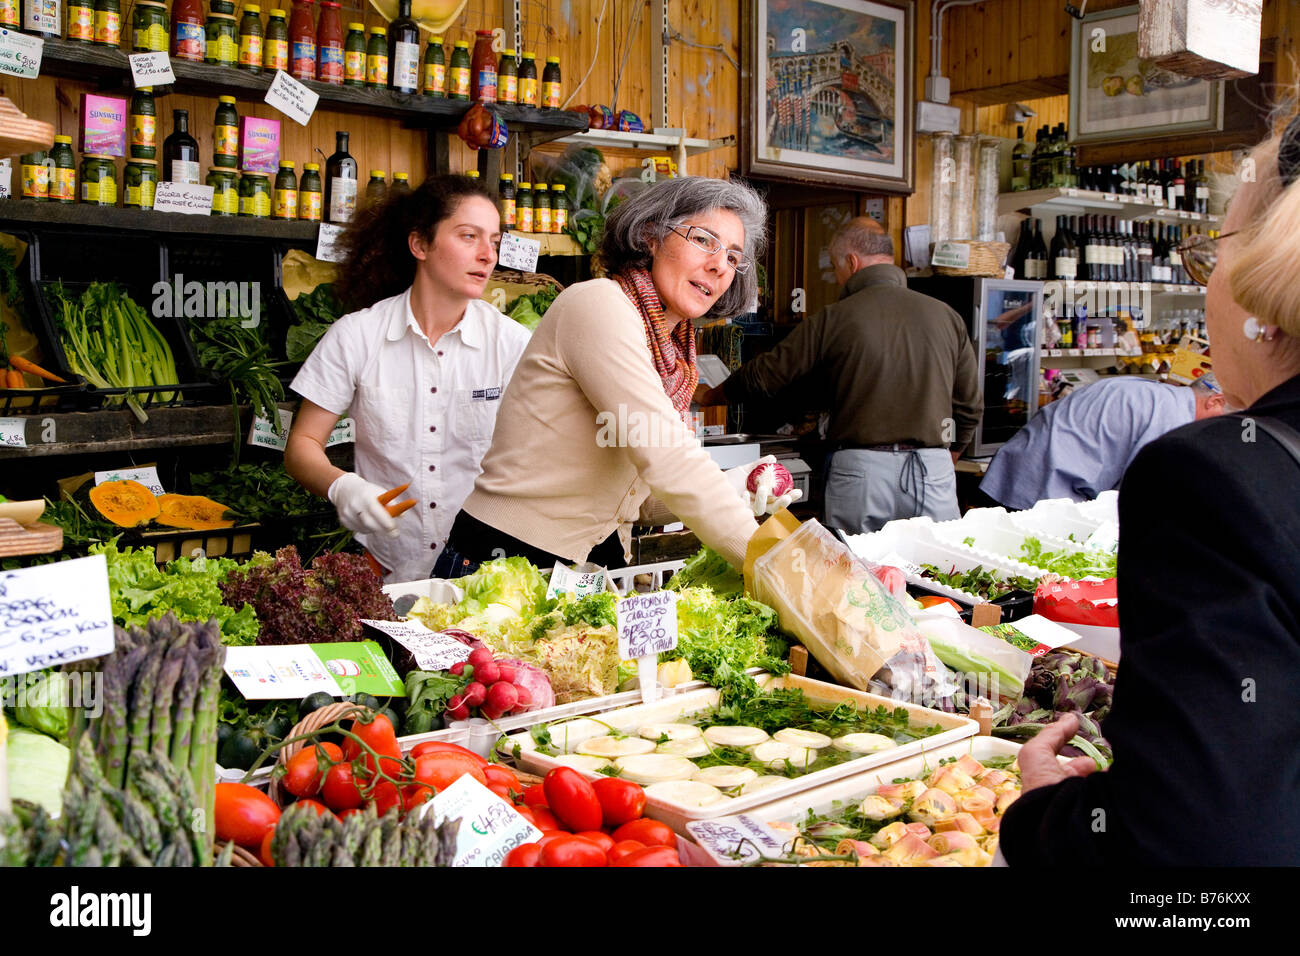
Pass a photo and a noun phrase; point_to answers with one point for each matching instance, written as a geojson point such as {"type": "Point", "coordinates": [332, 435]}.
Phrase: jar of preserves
{"type": "Point", "coordinates": [251, 38]}
{"type": "Point", "coordinates": [285, 199]}
{"type": "Point", "coordinates": [98, 180]}
{"type": "Point", "coordinates": [458, 76]}
{"type": "Point", "coordinates": [225, 191]}
{"type": "Point", "coordinates": [483, 69]}
{"type": "Point", "coordinates": [149, 27]}
{"type": "Point", "coordinates": [63, 177]}
{"type": "Point", "coordinates": [108, 22]}
{"type": "Point", "coordinates": [435, 68]}
{"type": "Point", "coordinates": [141, 183]}
{"type": "Point", "coordinates": [144, 124]}
{"type": "Point", "coordinates": [222, 36]}
{"type": "Point", "coordinates": [310, 193]}
{"type": "Point", "coordinates": [254, 195]}
{"type": "Point", "coordinates": [275, 44]}
{"type": "Point", "coordinates": [524, 207]}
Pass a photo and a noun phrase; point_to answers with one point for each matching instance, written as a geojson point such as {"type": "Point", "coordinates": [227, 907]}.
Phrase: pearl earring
{"type": "Point", "coordinates": [1252, 329]}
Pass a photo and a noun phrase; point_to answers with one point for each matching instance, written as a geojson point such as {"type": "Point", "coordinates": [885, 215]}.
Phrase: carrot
{"type": "Point", "coordinates": [23, 365]}
{"type": "Point", "coordinates": [400, 507]}
{"type": "Point", "coordinates": [14, 379]}
{"type": "Point", "coordinates": [388, 496]}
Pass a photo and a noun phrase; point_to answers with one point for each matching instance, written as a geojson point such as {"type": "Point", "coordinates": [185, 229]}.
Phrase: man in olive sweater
{"type": "Point", "coordinates": [902, 373]}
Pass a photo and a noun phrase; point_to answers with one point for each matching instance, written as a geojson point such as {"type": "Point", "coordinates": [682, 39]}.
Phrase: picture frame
{"type": "Point", "coordinates": [829, 92]}
{"type": "Point", "coordinates": [1117, 97]}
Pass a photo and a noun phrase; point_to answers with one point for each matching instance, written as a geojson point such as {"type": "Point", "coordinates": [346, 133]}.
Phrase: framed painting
{"type": "Point", "coordinates": [829, 90]}
{"type": "Point", "coordinates": [1117, 96]}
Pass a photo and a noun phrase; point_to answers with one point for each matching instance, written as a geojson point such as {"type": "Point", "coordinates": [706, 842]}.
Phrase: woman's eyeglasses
{"type": "Point", "coordinates": [1200, 253]}
{"type": "Point", "coordinates": [709, 244]}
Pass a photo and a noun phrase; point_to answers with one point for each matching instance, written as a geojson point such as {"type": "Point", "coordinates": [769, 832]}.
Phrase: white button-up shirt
{"type": "Point", "coordinates": [424, 412]}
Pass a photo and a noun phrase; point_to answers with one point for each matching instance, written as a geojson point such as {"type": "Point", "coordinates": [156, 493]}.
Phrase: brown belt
{"type": "Point", "coordinates": [893, 446]}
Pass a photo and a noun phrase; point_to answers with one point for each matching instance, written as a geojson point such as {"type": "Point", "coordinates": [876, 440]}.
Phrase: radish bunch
{"type": "Point", "coordinates": [493, 689]}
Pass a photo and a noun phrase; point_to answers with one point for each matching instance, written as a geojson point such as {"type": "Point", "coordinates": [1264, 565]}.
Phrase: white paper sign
{"type": "Point", "coordinates": [185, 198]}
{"type": "Point", "coordinates": [489, 827]}
{"type": "Point", "coordinates": [647, 624]}
{"type": "Point", "coordinates": [896, 560]}
{"type": "Point", "coordinates": [565, 580]}
{"type": "Point", "coordinates": [724, 837]}
{"type": "Point", "coordinates": [279, 671]}
{"type": "Point", "coordinates": [433, 650]}
{"type": "Point", "coordinates": [145, 476]}
{"type": "Point", "coordinates": [6, 178]}
{"type": "Point", "coordinates": [292, 98]}
{"type": "Point", "coordinates": [151, 69]}
{"type": "Point", "coordinates": [327, 249]}
{"type": "Point", "coordinates": [13, 433]}
{"type": "Point", "coordinates": [262, 435]}
{"type": "Point", "coordinates": [519, 253]}
{"type": "Point", "coordinates": [20, 55]}
{"type": "Point", "coordinates": [951, 255]}
{"type": "Point", "coordinates": [344, 433]}
{"type": "Point", "coordinates": [54, 614]}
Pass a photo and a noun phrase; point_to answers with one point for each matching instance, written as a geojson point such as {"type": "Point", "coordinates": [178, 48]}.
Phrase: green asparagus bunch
{"type": "Point", "coordinates": [304, 837]}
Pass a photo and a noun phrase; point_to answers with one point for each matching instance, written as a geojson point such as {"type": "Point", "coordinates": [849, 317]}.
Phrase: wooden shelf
{"type": "Point", "coordinates": [1071, 201]}
{"type": "Point", "coordinates": [81, 215]}
{"type": "Point", "coordinates": [616, 139]}
{"type": "Point", "coordinates": [78, 433]}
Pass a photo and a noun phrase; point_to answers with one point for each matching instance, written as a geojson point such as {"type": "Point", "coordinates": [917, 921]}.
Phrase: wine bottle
{"type": "Point", "coordinates": [1201, 202]}
{"type": "Point", "coordinates": [1144, 252]}
{"type": "Point", "coordinates": [1037, 161]}
{"type": "Point", "coordinates": [181, 152]}
{"type": "Point", "coordinates": [340, 198]}
{"type": "Point", "coordinates": [1177, 186]}
{"type": "Point", "coordinates": [404, 51]}
{"type": "Point", "coordinates": [1065, 254]}
{"type": "Point", "coordinates": [1036, 259]}
{"type": "Point", "coordinates": [1177, 273]}
{"type": "Point", "coordinates": [1020, 159]}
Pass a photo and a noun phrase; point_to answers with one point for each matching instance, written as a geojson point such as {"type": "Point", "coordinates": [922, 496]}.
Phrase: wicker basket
{"type": "Point", "coordinates": [240, 856]}
{"type": "Point", "coordinates": [986, 259]}
{"type": "Point", "coordinates": [313, 721]}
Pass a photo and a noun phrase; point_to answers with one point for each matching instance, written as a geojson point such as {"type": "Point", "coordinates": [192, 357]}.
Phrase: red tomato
{"type": "Point", "coordinates": [265, 853]}
{"type": "Point", "coordinates": [501, 791]}
{"type": "Point", "coordinates": [527, 814]}
{"type": "Point", "coordinates": [621, 801]}
{"type": "Point", "coordinates": [550, 835]}
{"type": "Point", "coordinates": [526, 854]}
{"type": "Point", "coordinates": [496, 773]}
{"type": "Point", "coordinates": [381, 738]}
{"type": "Point", "coordinates": [440, 747]}
{"type": "Point", "coordinates": [244, 814]}
{"type": "Point", "coordinates": [339, 791]}
{"type": "Point", "coordinates": [650, 856]}
{"type": "Point", "coordinates": [572, 851]}
{"type": "Point", "coordinates": [316, 805]}
{"type": "Point", "coordinates": [571, 798]}
{"type": "Point", "coordinates": [302, 774]}
{"type": "Point", "coordinates": [535, 796]}
{"type": "Point", "coordinates": [440, 771]}
{"type": "Point", "coordinates": [546, 820]}
{"type": "Point", "coordinates": [934, 600]}
{"type": "Point", "coordinates": [622, 849]}
{"type": "Point", "coordinates": [387, 796]}
{"type": "Point", "coordinates": [647, 831]}
{"type": "Point", "coordinates": [598, 837]}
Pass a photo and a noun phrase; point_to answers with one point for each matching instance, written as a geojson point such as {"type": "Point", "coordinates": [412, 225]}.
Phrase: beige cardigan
{"type": "Point", "coordinates": [586, 434]}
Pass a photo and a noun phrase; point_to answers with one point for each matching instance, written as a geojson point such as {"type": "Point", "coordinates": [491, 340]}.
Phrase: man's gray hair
{"type": "Point", "coordinates": [864, 236]}
{"type": "Point", "coordinates": [637, 223]}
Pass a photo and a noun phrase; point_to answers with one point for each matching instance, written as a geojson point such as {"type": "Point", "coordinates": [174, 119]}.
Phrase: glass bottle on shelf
{"type": "Point", "coordinates": [225, 139]}
{"type": "Point", "coordinates": [1020, 156]}
{"type": "Point", "coordinates": [1064, 253]}
{"type": "Point", "coordinates": [340, 182]}
{"type": "Point", "coordinates": [310, 193]}
{"type": "Point", "coordinates": [401, 183]}
{"type": "Point", "coordinates": [251, 38]}
{"type": "Point", "coordinates": [108, 22]}
{"type": "Point", "coordinates": [483, 69]}
{"type": "Point", "coordinates": [45, 18]}
{"type": "Point", "coordinates": [329, 44]}
{"type": "Point", "coordinates": [354, 55]}
{"type": "Point", "coordinates": [435, 68]}
{"type": "Point", "coordinates": [377, 187]}
{"type": "Point", "coordinates": [181, 152]}
{"type": "Point", "coordinates": [189, 39]}
{"type": "Point", "coordinates": [458, 76]}
{"type": "Point", "coordinates": [143, 119]}
{"type": "Point", "coordinates": [377, 59]}
{"type": "Point", "coordinates": [275, 44]}
{"type": "Point", "coordinates": [508, 78]}
{"type": "Point", "coordinates": [302, 41]}
{"type": "Point", "coordinates": [403, 51]}
{"type": "Point", "coordinates": [528, 79]}
{"type": "Point", "coordinates": [551, 84]}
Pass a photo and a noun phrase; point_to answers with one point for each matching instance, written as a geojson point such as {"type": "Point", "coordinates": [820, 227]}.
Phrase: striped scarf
{"type": "Point", "coordinates": [672, 350]}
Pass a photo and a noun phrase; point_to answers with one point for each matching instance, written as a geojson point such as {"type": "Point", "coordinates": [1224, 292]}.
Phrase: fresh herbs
{"type": "Point", "coordinates": [1068, 564]}
{"type": "Point", "coordinates": [238, 353]}
{"type": "Point", "coordinates": [316, 311]}
{"type": "Point", "coordinates": [258, 491]}
{"type": "Point", "coordinates": [983, 583]}
{"type": "Point", "coordinates": [778, 709]}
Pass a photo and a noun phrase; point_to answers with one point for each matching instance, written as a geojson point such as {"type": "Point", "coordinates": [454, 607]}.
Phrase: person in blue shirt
{"type": "Point", "coordinates": [1079, 446]}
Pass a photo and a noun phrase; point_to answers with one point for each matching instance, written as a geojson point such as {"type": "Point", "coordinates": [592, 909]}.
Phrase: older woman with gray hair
{"type": "Point", "coordinates": [592, 425]}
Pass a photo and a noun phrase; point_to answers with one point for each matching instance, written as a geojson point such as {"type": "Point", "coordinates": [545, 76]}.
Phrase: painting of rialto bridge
{"type": "Point", "coordinates": [832, 101]}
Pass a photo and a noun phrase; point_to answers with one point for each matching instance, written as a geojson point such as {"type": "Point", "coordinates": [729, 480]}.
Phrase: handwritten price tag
{"type": "Point", "coordinates": [20, 55]}
{"type": "Point", "coordinates": [732, 841]}
{"type": "Point", "coordinates": [647, 624]}
{"type": "Point", "coordinates": [184, 198]}
{"type": "Point", "coordinates": [145, 476]}
{"type": "Point", "coordinates": [327, 248]}
{"type": "Point", "coordinates": [518, 253]}
{"type": "Point", "coordinates": [151, 69]}
{"type": "Point", "coordinates": [54, 614]}
{"type": "Point", "coordinates": [292, 98]}
{"type": "Point", "coordinates": [13, 433]}
{"type": "Point", "coordinates": [578, 583]}
{"type": "Point", "coordinates": [262, 434]}
{"type": "Point", "coordinates": [433, 650]}
{"type": "Point", "coordinates": [489, 827]}
{"type": "Point", "coordinates": [344, 433]}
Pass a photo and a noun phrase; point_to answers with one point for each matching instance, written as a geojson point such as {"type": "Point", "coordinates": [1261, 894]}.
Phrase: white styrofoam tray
{"type": "Point", "coordinates": [849, 790]}
{"type": "Point", "coordinates": [996, 537]}
{"type": "Point", "coordinates": [1059, 519]}
{"type": "Point", "coordinates": [685, 705]}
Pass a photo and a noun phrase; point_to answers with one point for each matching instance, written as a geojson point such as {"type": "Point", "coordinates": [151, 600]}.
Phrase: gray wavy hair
{"type": "Point", "coordinates": [637, 223]}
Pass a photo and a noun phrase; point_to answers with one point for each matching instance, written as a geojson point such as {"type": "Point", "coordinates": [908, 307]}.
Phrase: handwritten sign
{"type": "Point", "coordinates": [327, 248]}
{"type": "Point", "coordinates": [151, 69]}
{"type": "Point", "coordinates": [145, 476]}
{"type": "Point", "coordinates": [565, 580]}
{"type": "Point", "coordinates": [733, 841]}
{"type": "Point", "coordinates": [13, 433]}
{"type": "Point", "coordinates": [20, 55]}
{"type": "Point", "coordinates": [187, 198]}
{"type": "Point", "coordinates": [489, 827]}
{"type": "Point", "coordinates": [344, 433]}
{"type": "Point", "coordinates": [519, 253]}
{"type": "Point", "coordinates": [292, 98]}
{"type": "Point", "coordinates": [647, 624]}
{"type": "Point", "coordinates": [54, 614]}
{"type": "Point", "coordinates": [952, 255]}
{"type": "Point", "coordinates": [262, 435]}
{"type": "Point", "coordinates": [432, 650]}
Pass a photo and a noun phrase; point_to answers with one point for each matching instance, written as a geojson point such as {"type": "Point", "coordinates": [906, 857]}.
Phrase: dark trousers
{"type": "Point", "coordinates": [472, 542]}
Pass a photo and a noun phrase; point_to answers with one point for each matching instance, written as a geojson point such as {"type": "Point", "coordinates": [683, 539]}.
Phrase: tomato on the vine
{"type": "Point", "coordinates": [382, 739]}
{"type": "Point", "coordinates": [339, 791]}
{"type": "Point", "coordinates": [302, 774]}
{"type": "Point", "coordinates": [442, 746]}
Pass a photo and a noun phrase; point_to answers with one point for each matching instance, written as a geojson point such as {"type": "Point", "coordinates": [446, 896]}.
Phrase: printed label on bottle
{"type": "Point", "coordinates": [152, 39]}
{"type": "Point", "coordinates": [185, 171]}
{"type": "Point", "coordinates": [41, 16]}
{"type": "Point", "coordinates": [286, 204]}
{"type": "Point", "coordinates": [542, 218]}
{"type": "Point", "coordinates": [36, 181]}
{"type": "Point", "coordinates": [108, 191]}
{"type": "Point", "coordinates": [435, 78]}
{"type": "Point", "coordinates": [508, 89]}
{"type": "Point", "coordinates": [304, 61]}
{"type": "Point", "coordinates": [257, 205]}
{"type": "Point", "coordinates": [343, 198]}
{"type": "Point", "coordinates": [275, 54]}
{"type": "Point", "coordinates": [559, 219]}
{"type": "Point", "coordinates": [309, 205]}
{"type": "Point", "coordinates": [108, 27]}
{"type": "Point", "coordinates": [226, 50]}
{"type": "Point", "coordinates": [459, 81]}
{"type": "Point", "coordinates": [487, 85]}
{"type": "Point", "coordinates": [354, 66]}
{"type": "Point", "coordinates": [64, 186]}
{"type": "Point", "coordinates": [331, 64]}
{"type": "Point", "coordinates": [377, 69]}
{"type": "Point", "coordinates": [406, 66]}
{"type": "Point", "coordinates": [225, 141]}
{"type": "Point", "coordinates": [1202, 192]}
{"type": "Point", "coordinates": [508, 211]}
{"type": "Point", "coordinates": [1175, 259]}
{"type": "Point", "coordinates": [132, 196]}
{"type": "Point", "coordinates": [1035, 269]}
{"type": "Point", "coordinates": [81, 23]}
{"type": "Point", "coordinates": [527, 92]}
{"type": "Point", "coordinates": [1066, 267]}
{"type": "Point", "coordinates": [144, 130]}
{"type": "Point", "coordinates": [250, 50]}
{"type": "Point", "coordinates": [551, 94]}
{"type": "Point", "coordinates": [525, 216]}
{"type": "Point", "coordinates": [191, 43]}
{"type": "Point", "coordinates": [9, 13]}
{"type": "Point", "coordinates": [89, 190]}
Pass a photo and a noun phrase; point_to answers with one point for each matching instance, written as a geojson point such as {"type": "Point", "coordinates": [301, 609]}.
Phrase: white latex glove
{"type": "Point", "coordinates": [761, 500]}
{"type": "Point", "coordinates": [357, 502]}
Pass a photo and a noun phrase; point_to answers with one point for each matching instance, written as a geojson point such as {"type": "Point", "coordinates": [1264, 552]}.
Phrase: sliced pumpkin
{"type": "Point", "coordinates": [193, 512]}
{"type": "Point", "coordinates": [128, 504]}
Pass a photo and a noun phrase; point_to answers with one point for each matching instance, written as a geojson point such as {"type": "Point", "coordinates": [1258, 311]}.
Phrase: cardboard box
{"type": "Point", "coordinates": [259, 144]}
{"type": "Point", "coordinates": [103, 124]}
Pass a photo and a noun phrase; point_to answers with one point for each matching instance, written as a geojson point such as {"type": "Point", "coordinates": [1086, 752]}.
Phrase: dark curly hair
{"type": "Point", "coordinates": [378, 261]}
